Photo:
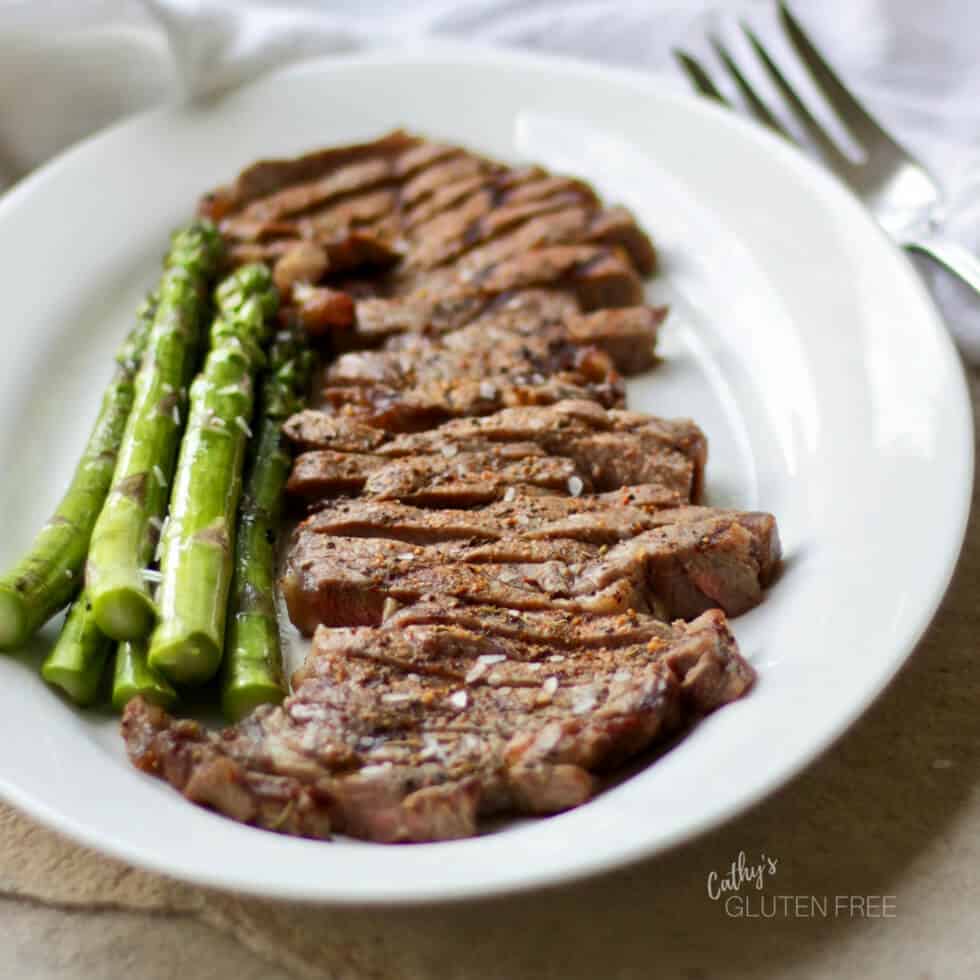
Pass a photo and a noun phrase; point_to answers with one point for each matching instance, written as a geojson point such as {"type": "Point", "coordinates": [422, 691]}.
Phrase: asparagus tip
{"type": "Point", "coordinates": [13, 619]}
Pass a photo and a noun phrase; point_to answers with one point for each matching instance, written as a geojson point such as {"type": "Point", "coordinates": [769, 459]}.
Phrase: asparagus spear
{"type": "Point", "coordinates": [76, 661]}
{"type": "Point", "coordinates": [133, 676]}
{"type": "Point", "coordinates": [125, 534]}
{"type": "Point", "coordinates": [252, 669]}
{"type": "Point", "coordinates": [197, 545]}
{"type": "Point", "coordinates": [45, 579]}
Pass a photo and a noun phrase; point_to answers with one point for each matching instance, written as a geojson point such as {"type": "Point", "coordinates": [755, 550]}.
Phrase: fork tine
{"type": "Point", "coordinates": [756, 106]}
{"type": "Point", "coordinates": [833, 157]}
{"type": "Point", "coordinates": [699, 78]}
{"type": "Point", "coordinates": [863, 126]}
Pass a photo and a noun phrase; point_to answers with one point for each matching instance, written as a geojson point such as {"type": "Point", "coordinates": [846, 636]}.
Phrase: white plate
{"type": "Point", "coordinates": [800, 339]}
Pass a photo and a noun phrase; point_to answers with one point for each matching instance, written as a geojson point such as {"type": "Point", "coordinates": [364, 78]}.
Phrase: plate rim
{"type": "Point", "coordinates": [644, 82]}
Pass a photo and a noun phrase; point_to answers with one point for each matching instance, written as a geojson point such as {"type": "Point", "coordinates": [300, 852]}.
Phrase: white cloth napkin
{"type": "Point", "coordinates": [70, 67]}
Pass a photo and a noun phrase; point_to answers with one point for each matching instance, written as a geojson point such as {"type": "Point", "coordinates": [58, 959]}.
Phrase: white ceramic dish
{"type": "Point", "coordinates": [800, 339]}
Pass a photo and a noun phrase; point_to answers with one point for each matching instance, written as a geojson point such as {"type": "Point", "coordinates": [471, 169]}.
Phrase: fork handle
{"type": "Point", "coordinates": [951, 256]}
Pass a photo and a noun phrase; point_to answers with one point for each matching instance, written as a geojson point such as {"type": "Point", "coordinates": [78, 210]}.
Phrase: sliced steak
{"type": "Point", "coordinates": [685, 563]}
{"type": "Point", "coordinates": [498, 558]}
{"type": "Point", "coordinates": [413, 731]}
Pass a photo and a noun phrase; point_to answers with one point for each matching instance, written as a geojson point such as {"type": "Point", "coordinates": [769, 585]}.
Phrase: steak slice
{"type": "Point", "coordinates": [269, 176]}
{"type": "Point", "coordinates": [505, 344]}
{"type": "Point", "coordinates": [570, 226]}
{"type": "Point", "coordinates": [602, 519]}
{"type": "Point", "coordinates": [463, 479]}
{"type": "Point", "coordinates": [610, 449]}
{"type": "Point", "coordinates": [426, 405]}
{"type": "Point", "coordinates": [688, 560]}
{"type": "Point", "coordinates": [419, 386]}
{"type": "Point", "coordinates": [596, 276]}
{"type": "Point", "coordinates": [479, 219]}
{"type": "Point", "coordinates": [501, 361]}
{"type": "Point", "coordinates": [414, 730]}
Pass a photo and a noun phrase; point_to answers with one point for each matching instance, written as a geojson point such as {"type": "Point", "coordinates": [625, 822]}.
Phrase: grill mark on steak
{"type": "Point", "coordinates": [367, 747]}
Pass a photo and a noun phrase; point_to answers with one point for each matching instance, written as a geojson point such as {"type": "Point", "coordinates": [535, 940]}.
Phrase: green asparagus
{"type": "Point", "coordinates": [77, 659]}
{"type": "Point", "coordinates": [196, 563]}
{"type": "Point", "coordinates": [133, 676]}
{"type": "Point", "coordinates": [46, 578]}
{"type": "Point", "coordinates": [252, 668]}
{"type": "Point", "coordinates": [125, 534]}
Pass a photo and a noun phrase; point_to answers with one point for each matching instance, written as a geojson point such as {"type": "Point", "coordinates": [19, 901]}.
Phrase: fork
{"type": "Point", "coordinates": [901, 194]}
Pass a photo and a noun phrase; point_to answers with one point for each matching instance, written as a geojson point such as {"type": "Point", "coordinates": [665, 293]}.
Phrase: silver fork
{"type": "Point", "coordinates": [898, 190]}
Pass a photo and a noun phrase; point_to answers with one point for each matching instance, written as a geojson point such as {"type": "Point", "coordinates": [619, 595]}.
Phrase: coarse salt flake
{"type": "Point", "coordinates": [491, 658]}
{"type": "Point", "coordinates": [459, 700]}
{"type": "Point", "coordinates": [397, 697]}
{"type": "Point", "coordinates": [575, 486]}
{"type": "Point", "coordinates": [550, 686]}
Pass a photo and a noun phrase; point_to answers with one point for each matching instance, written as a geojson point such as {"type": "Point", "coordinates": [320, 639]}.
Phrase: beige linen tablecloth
{"type": "Point", "coordinates": [878, 875]}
